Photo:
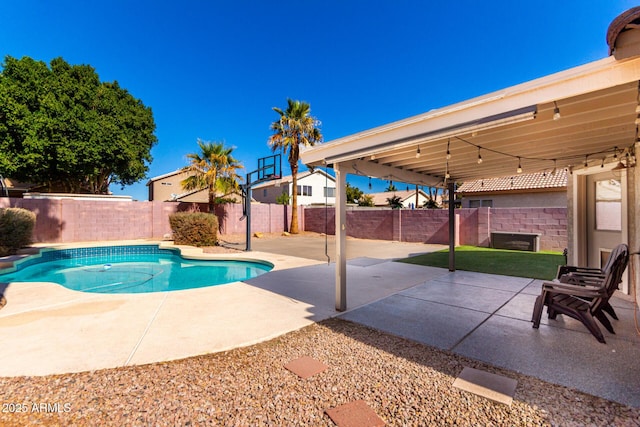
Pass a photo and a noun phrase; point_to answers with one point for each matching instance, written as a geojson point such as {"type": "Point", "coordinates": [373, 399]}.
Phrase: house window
{"type": "Point", "coordinates": [304, 190]}
{"type": "Point", "coordinates": [608, 205]}
{"type": "Point", "coordinates": [480, 203]}
{"type": "Point", "coordinates": [329, 192]}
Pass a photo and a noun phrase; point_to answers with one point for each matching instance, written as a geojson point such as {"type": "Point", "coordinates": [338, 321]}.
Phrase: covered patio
{"type": "Point", "coordinates": [584, 119]}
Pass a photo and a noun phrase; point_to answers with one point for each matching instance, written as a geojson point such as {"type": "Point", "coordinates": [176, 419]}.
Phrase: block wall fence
{"type": "Point", "coordinates": [474, 225]}
{"type": "Point", "coordinates": [68, 220]}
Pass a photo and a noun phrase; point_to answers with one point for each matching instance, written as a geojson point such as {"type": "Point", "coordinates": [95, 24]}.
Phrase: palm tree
{"type": "Point", "coordinates": [213, 168]}
{"type": "Point", "coordinates": [395, 202]}
{"type": "Point", "coordinates": [295, 127]}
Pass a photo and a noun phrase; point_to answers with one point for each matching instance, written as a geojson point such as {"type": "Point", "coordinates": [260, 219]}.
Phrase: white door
{"type": "Point", "coordinates": [604, 216]}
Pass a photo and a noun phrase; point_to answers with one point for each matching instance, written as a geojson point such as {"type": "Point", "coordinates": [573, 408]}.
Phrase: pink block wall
{"type": "Point", "coordinates": [68, 220]}
{"type": "Point", "coordinates": [265, 218]}
{"type": "Point", "coordinates": [550, 223]}
{"type": "Point", "coordinates": [432, 225]}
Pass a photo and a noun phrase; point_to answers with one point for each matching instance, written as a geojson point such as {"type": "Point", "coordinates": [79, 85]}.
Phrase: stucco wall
{"type": "Point", "coordinates": [548, 199]}
{"type": "Point", "coordinates": [317, 182]}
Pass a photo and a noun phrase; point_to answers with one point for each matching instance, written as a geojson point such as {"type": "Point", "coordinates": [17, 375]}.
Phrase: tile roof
{"type": "Point", "coordinates": [529, 181]}
{"type": "Point", "coordinates": [380, 199]}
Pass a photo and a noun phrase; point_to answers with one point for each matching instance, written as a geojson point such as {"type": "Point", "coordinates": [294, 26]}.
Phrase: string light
{"type": "Point", "coordinates": [418, 153]}
{"type": "Point", "coordinates": [616, 152]}
{"type": "Point", "coordinates": [556, 111]}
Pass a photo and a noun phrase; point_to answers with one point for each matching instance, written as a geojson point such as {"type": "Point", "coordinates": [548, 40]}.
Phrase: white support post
{"type": "Point", "coordinates": [341, 238]}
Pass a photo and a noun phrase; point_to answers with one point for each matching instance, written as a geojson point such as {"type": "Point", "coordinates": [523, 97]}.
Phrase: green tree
{"type": "Point", "coordinates": [215, 169]}
{"type": "Point", "coordinates": [62, 128]}
{"type": "Point", "coordinates": [366, 200]}
{"type": "Point", "coordinates": [431, 204]}
{"type": "Point", "coordinates": [294, 127]}
{"type": "Point", "coordinates": [283, 199]}
{"type": "Point", "coordinates": [395, 202]}
{"type": "Point", "coordinates": [353, 194]}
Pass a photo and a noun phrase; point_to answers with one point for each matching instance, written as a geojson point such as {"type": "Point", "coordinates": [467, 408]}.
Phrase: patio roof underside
{"type": "Point", "coordinates": [594, 125]}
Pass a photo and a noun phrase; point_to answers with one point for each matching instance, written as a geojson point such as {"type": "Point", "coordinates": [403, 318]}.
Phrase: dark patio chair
{"type": "Point", "coordinates": [590, 276]}
{"type": "Point", "coordinates": [585, 301]}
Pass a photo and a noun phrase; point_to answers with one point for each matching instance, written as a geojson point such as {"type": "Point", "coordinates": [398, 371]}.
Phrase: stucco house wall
{"type": "Point", "coordinates": [269, 191]}
{"type": "Point", "coordinates": [551, 199]}
{"type": "Point", "coordinates": [163, 187]}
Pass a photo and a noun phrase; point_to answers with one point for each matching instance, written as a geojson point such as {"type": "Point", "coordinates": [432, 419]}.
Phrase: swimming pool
{"type": "Point", "coordinates": [129, 269]}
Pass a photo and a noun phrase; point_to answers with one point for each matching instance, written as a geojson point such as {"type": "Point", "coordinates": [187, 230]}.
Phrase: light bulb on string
{"type": "Point", "coordinates": [479, 156]}
{"type": "Point", "coordinates": [519, 170]}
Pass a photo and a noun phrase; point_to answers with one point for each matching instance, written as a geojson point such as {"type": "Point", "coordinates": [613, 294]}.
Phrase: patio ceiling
{"type": "Point", "coordinates": [597, 104]}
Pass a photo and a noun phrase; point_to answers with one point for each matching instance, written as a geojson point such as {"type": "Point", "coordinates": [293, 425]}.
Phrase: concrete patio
{"type": "Point", "coordinates": [50, 329]}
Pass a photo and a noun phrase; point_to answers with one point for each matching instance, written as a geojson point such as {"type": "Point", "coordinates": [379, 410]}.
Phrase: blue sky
{"type": "Point", "coordinates": [214, 69]}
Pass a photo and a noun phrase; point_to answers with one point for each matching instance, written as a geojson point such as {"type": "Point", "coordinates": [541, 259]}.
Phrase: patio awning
{"type": "Point", "coordinates": [596, 103]}
{"type": "Point", "coordinates": [583, 117]}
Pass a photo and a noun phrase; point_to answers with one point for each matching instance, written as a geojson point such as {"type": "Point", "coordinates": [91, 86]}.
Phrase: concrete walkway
{"type": "Point", "coordinates": [49, 329]}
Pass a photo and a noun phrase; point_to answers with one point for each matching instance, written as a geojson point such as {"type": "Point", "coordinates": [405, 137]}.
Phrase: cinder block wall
{"type": "Point", "coordinates": [550, 223]}
{"type": "Point", "coordinates": [432, 225]}
{"type": "Point", "coordinates": [68, 220]}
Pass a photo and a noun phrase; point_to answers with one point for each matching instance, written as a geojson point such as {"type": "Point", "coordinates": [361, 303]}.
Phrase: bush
{"type": "Point", "coordinates": [16, 229]}
{"type": "Point", "coordinates": [194, 228]}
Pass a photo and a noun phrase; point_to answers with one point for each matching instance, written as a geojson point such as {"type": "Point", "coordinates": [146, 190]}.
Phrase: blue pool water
{"type": "Point", "coordinates": [129, 269]}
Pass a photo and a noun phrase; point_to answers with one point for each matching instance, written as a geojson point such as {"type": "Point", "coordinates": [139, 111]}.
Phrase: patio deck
{"type": "Point", "coordinates": [48, 328]}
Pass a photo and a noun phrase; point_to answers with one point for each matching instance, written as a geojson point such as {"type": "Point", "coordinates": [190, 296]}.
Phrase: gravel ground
{"type": "Point", "coordinates": [404, 382]}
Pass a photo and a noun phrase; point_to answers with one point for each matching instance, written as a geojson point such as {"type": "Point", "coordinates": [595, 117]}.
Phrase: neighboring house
{"type": "Point", "coordinates": [168, 188]}
{"type": "Point", "coordinates": [407, 198]}
{"type": "Point", "coordinates": [541, 190]}
{"type": "Point", "coordinates": [314, 188]}
{"type": "Point", "coordinates": [11, 188]}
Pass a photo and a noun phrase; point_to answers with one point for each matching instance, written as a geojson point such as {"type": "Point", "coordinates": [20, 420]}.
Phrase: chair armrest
{"type": "Point", "coordinates": [588, 290]}
{"type": "Point", "coordinates": [582, 279]}
{"type": "Point", "coordinates": [570, 269]}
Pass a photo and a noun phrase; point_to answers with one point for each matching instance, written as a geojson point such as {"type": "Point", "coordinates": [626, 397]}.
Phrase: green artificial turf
{"type": "Point", "coordinates": [537, 265]}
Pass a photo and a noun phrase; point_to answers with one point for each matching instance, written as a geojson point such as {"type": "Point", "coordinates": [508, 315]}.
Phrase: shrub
{"type": "Point", "coordinates": [16, 229]}
{"type": "Point", "coordinates": [194, 228]}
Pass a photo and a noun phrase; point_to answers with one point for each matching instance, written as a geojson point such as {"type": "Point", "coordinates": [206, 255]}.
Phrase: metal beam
{"type": "Point", "coordinates": [341, 237]}
{"type": "Point", "coordinates": [369, 168]}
